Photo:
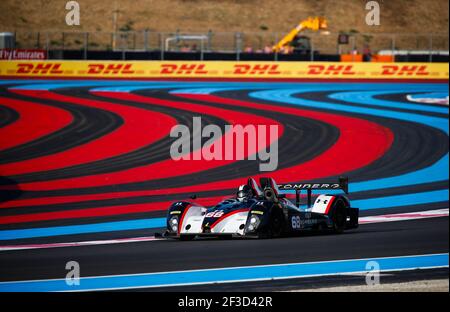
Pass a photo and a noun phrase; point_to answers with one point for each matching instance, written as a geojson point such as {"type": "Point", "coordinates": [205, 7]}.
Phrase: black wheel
{"type": "Point", "coordinates": [275, 226]}
{"type": "Point", "coordinates": [339, 217]}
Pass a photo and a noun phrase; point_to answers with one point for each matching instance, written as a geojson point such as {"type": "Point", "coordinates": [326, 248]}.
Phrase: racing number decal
{"type": "Point", "coordinates": [296, 224]}
{"type": "Point", "coordinates": [214, 214]}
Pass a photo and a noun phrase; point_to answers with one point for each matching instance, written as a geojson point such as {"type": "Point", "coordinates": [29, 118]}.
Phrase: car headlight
{"type": "Point", "coordinates": [253, 223]}
{"type": "Point", "coordinates": [173, 223]}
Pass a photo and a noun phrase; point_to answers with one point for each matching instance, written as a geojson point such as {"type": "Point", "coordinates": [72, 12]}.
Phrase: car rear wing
{"type": "Point", "coordinates": [310, 186]}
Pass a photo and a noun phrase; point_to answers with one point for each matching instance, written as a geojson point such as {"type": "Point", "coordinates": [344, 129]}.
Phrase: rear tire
{"type": "Point", "coordinates": [339, 217]}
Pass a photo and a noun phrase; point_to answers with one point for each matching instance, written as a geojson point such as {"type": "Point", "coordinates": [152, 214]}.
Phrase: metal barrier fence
{"type": "Point", "coordinates": [223, 42]}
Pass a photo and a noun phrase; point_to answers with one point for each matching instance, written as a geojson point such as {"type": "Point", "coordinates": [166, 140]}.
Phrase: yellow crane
{"type": "Point", "coordinates": [312, 23]}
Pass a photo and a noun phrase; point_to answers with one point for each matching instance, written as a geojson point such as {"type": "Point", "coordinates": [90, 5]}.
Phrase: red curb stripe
{"type": "Point", "coordinates": [141, 127]}
{"type": "Point", "coordinates": [35, 120]}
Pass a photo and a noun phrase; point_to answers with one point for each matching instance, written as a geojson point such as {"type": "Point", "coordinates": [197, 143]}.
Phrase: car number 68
{"type": "Point", "coordinates": [296, 222]}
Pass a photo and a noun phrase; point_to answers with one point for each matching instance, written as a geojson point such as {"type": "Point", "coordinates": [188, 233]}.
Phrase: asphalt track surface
{"type": "Point", "coordinates": [89, 160]}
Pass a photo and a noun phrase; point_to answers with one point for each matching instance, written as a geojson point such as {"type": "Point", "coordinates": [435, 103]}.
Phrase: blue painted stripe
{"type": "Point", "coordinates": [232, 274]}
{"type": "Point", "coordinates": [439, 171]}
{"type": "Point", "coordinates": [84, 228]}
{"type": "Point", "coordinates": [401, 200]}
{"type": "Point", "coordinates": [210, 87]}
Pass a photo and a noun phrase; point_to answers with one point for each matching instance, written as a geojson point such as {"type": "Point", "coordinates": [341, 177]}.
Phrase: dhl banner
{"type": "Point", "coordinates": [213, 69]}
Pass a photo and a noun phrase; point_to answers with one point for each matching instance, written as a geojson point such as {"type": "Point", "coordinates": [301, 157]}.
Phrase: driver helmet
{"type": "Point", "coordinates": [244, 193]}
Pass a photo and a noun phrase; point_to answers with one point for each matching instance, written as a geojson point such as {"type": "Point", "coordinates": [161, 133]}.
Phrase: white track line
{"type": "Point", "coordinates": [85, 243]}
{"type": "Point", "coordinates": [425, 100]}
{"type": "Point", "coordinates": [362, 220]}
{"type": "Point", "coordinates": [405, 216]}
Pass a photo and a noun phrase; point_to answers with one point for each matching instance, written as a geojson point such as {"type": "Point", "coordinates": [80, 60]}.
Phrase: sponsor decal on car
{"type": "Point", "coordinates": [258, 212]}
{"type": "Point", "coordinates": [301, 186]}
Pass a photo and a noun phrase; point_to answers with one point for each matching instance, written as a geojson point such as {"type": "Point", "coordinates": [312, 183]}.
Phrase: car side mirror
{"type": "Point", "coordinates": [193, 196]}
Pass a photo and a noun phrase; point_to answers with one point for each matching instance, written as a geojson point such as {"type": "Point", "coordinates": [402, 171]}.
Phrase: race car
{"type": "Point", "coordinates": [262, 211]}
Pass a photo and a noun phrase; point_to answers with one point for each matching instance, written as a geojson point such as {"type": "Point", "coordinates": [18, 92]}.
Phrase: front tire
{"type": "Point", "coordinates": [275, 227]}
